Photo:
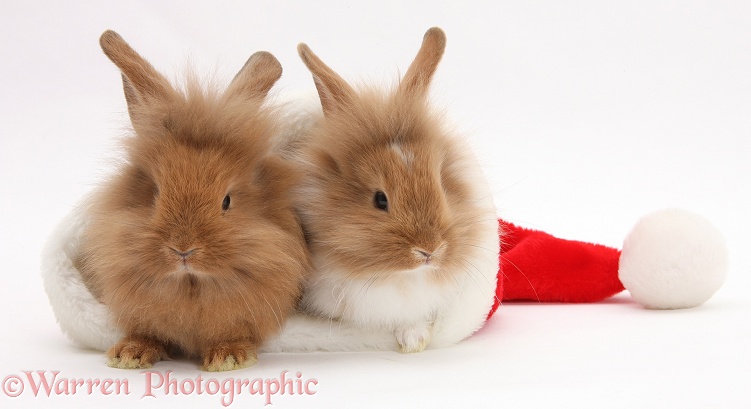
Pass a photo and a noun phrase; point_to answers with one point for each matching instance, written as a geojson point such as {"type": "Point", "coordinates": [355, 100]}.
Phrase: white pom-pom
{"type": "Point", "coordinates": [673, 259]}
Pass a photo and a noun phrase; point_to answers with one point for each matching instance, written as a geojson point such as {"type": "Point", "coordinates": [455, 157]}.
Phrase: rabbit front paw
{"type": "Point", "coordinates": [136, 352]}
{"type": "Point", "coordinates": [414, 338]}
{"type": "Point", "coordinates": [228, 356]}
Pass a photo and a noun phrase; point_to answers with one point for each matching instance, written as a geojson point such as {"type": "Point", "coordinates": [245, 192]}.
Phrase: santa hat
{"type": "Point", "coordinates": [671, 259]}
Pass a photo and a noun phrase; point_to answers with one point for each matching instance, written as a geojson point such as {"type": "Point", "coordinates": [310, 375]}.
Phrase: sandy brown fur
{"type": "Point", "coordinates": [354, 159]}
{"type": "Point", "coordinates": [189, 150]}
{"type": "Point", "coordinates": [351, 153]}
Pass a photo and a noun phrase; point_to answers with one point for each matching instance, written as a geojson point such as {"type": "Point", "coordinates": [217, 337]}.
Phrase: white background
{"type": "Point", "coordinates": [586, 115]}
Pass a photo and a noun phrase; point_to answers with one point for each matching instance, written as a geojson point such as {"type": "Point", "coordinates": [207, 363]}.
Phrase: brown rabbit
{"type": "Point", "coordinates": [399, 217]}
{"type": "Point", "coordinates": [193, 244]}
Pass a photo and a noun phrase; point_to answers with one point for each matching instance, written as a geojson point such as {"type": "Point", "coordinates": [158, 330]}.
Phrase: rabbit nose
{"type": "Point", "coordinates": [423, 255]}
{"type": "Point", "coordinates": [428, 256]}
{"type": "Point", "coordinates": [183, 254]}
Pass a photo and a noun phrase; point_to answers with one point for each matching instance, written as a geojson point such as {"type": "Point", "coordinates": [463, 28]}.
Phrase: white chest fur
{"type": "Point", "coordinates": [402, 299]}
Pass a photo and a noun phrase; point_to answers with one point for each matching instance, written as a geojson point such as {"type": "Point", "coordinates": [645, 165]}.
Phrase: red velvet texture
{"type": "Point", "coordinates": [536, 266]}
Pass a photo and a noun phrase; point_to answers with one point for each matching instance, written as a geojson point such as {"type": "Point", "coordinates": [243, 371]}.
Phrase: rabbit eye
{"type": "Point", "coordinates": [380, 201]}
{"type": "Point", "coordinates": [225, 203]}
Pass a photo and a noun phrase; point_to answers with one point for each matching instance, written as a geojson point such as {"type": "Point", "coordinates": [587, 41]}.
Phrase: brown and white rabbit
{"type": "Point", "coordinates": [398, 215]}
{"type": "Point", "coordinates": [194, 244]}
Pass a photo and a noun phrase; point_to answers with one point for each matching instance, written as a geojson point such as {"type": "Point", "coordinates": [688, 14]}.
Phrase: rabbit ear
{"type": "Point", "coordinates": [417, 78]}
{"type": "Point", "coordinates": [256, 77]}
{"type": "Point", "coordinates": [141, 82]}
{"type": "Point", "coordinates": [334, 92]}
